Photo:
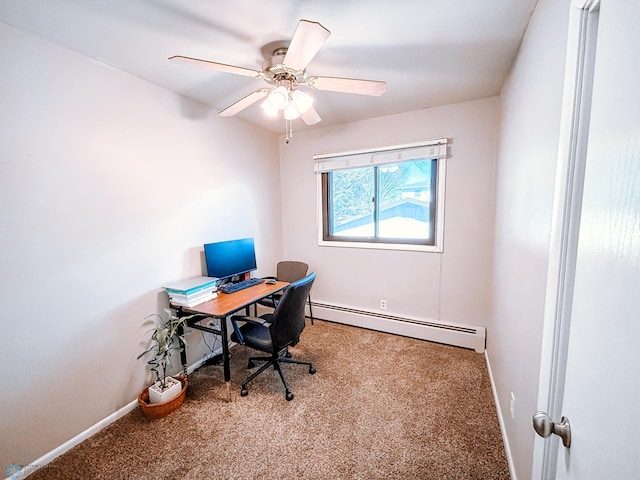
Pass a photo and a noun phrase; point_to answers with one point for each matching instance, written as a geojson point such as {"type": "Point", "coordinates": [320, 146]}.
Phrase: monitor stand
{"type": "Point", "coordinates": [239, 278]}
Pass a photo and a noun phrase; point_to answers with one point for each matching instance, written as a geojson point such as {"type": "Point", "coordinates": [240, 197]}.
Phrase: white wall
{"type": "Point", "coordinates": [109, 187]}
{"type": "Point", "coordinates": [452, 286]}
{"type": "Point", "coordinates": [530, 121]}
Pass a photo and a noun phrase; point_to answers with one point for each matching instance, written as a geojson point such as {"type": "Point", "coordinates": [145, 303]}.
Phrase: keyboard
{"type": "Point", "coordinates": [234, 287]}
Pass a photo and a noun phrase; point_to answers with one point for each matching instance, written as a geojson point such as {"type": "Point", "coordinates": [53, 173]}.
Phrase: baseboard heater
{"type": "Point", "coordinates": [465, 336]}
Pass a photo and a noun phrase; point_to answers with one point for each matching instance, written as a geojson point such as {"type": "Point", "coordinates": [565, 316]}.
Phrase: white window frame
{"type": "Point", "coordinates": [432, 149]}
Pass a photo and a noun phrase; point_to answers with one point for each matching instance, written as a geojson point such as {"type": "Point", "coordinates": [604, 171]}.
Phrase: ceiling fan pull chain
{"type": "Point", "coordinates": [288, 130]}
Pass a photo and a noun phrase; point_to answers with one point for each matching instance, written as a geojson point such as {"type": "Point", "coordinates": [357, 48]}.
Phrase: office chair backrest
{"type": "Point", "coordinates": [287, 321]}
{"type": "Point", "coordinates": [290, 271]}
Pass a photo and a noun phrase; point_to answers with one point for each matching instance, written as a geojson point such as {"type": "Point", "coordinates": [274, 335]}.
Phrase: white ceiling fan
{"type": "Point", "coordinates": [284, 72]}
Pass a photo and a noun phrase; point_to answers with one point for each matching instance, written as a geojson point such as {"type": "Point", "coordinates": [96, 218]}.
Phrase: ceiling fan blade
{"type": "Point", "coordinates": [244, 102]}
{"type": "Point", "coordinates": [347, 85]}
{"type": "Point", "coordinates": [310, 117]}
{"type": "Point", "coordinates": [220, 67]}
{"type": "Point", "coordinates": [307, 40]}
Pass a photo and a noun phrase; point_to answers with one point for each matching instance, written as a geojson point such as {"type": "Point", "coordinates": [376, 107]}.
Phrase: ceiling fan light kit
{"type": "Point", "coordinates": [285, 72]}
{"type": "Point", "coordinates": [269, 109]}
{"type": "Point", "coordinates": [279, 97]}
{"type": "Point", "coordinates": [301, 100]}
{"type": "Point", "coordinates": [290, 112]}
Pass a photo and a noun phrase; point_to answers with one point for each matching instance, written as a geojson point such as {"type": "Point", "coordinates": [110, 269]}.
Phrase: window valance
{"type": "Point", "coordinates": [432, 149]}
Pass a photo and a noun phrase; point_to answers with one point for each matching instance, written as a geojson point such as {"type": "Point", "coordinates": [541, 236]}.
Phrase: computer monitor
{"type": "Point", "coordinates": [230, 258]}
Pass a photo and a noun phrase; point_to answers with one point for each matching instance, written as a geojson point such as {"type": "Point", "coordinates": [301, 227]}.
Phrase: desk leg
{"type": "Point", "coordinates": [225, 356]}
{"type": "Point", "coordinates": [183, 351]}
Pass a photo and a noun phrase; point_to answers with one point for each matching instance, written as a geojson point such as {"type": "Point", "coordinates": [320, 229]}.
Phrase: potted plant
{"type": "Point", "coordinates": [166, 393]}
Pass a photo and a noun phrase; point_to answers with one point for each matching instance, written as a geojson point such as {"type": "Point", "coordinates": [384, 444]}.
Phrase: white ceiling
{"type": "Point", "coordinates": [429, 52]}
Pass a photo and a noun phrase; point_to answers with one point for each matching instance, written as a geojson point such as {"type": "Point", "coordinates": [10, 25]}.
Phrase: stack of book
{"type": "Point", "coordinates": [192, 291]}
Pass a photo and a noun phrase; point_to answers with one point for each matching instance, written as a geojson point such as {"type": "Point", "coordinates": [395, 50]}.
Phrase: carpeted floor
{"type": "Point", "coordinates": [379, 407]}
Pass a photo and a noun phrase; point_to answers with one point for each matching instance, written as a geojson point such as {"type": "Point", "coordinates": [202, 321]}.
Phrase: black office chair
{"type": "Point", "coordinates": [273, 333]}
{"type": "Point", "coordinates": [286, 271]}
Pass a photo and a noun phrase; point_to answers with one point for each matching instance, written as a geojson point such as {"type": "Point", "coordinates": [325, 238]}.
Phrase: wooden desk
{"type": "Point", "coordinates": [221, 307]}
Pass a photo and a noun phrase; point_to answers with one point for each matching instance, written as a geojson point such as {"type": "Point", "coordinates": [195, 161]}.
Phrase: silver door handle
{"type": "Point", "coordinates": [544, 426]}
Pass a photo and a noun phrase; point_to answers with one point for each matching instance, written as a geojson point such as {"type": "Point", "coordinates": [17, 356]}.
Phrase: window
{"type": "Point", "coordinates": [384, 198]}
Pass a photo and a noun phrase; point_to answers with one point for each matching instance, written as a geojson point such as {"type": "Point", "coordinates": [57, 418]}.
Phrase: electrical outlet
{"type": "Point", "coordinates": [383, 304]}
{"type": "Point", "coordinates": [512, 406]}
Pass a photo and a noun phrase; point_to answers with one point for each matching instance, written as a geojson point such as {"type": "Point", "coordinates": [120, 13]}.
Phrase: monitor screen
{"type": "Point", "coordinates": [233, 257]}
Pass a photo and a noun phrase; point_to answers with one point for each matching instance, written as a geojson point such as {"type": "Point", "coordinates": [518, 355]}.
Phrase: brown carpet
{"type": "Point", "coordinates": [379, 407]}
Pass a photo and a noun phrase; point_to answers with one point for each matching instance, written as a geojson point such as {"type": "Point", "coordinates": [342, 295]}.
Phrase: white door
{"type": "Point", "coordinates": [600, 394]}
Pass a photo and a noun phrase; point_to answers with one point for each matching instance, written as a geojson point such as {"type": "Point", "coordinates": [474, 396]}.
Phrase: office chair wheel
{"type": "Point", "coordinates": [289, 396]}
{"type": "Point", "coordinates": [244, 392]}
{"type": "Point", "coordinates": [250, 364]}
{"type": "Point", "coordinates": [312, 370]}
{"type": "Point", "coordinates": [288, 354]}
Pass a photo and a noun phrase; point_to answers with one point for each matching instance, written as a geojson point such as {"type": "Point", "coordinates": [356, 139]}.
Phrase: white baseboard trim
{"type": "Point", "coordinates": [503, 431]}
{"type": "Point", "coordinates": [89, 432]}
{"type": "Point", "coordinates": [81, 437]}
{"type": "Point", "coordinates": [466, 336]}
